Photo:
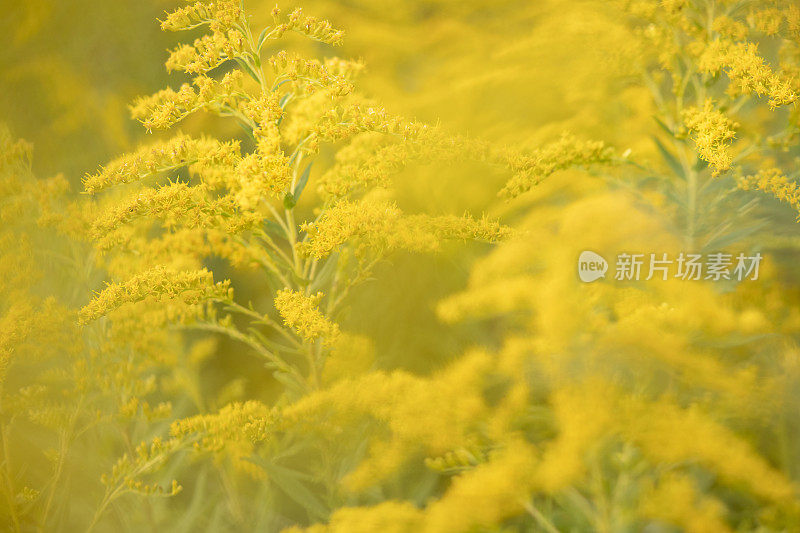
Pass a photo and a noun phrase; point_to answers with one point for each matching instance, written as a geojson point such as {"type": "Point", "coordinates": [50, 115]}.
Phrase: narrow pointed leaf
{"type": "Point", "coordinates": [301, 183]}
{"type": "Point", "coordinates": [261, 38]}
{"type": "Point", "coordinates": [289, 483]}
{"type": "Point", "coordinates": [670, 159]}
{"type": "Point", "coordinates": [245, 67]}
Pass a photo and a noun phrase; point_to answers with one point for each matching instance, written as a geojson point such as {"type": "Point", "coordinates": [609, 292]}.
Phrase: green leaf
{"type": "Point", "coordinates": [247, 130]}
{"type": "Point", "coordinates": [270, 226]}
{"type": "Point", "coordinates": [303, 282]}
{"type": "Point", "coordinates": [664, 127]}
{"type": "Point", "coordinates": [287, 380]}
{"type": "Point", "coordinates": [724, 240]}
{"type": "Point", "coordinates": [194, 512]}
{"type": "Point", "coordinates": [738, 340]}
{"type": "Point", "coordinates": [246, 67]}
{"type": "Point", "coordinates": [289, 201]}
{"type": "Point", "coordinates": [700, 165]}
{"type": "Point", "coordinates": [289, 482]}
{"type": "Point", "coordinates": [284, 99]}
{"type": "Point", "coordinates": [670, 159]}
{"type": "Point", "coordinates": [290, 450]}
{"type": "Point", "coordinates": [425, 487]}
{"type": "Point", "coordinates": [261, 37]}
{"type": "Point", "coordinates": [675, 197]}
{"type": "Point", "coordinates": [301, 184]}
{"type": "Point", "coordinates": [325, 273]}
{"type": "Point", "coordinates": [277, 259]}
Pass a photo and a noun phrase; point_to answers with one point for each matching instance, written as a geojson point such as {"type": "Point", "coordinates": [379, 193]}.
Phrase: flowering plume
{"type": "Point", "coordinates": [301, 313]}
{"type": "Point", "coordinates": [373, 371]}
{"type": "Point", "coordinates": [712, 132]}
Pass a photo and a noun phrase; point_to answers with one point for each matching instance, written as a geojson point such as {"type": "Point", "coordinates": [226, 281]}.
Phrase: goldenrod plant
{"type": "Point", "coordinates": [275, 312]}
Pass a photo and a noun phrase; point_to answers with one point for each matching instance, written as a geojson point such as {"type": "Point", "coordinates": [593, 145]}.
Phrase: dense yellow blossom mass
{"type": "Point", "coordinates": [332, 281]}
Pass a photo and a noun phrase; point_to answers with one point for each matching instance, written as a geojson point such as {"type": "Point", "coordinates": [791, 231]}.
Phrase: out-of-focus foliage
{"type": "Point", "coordinates": [64, 86]}
{"type": "Point", "coordinates": [269, 320]}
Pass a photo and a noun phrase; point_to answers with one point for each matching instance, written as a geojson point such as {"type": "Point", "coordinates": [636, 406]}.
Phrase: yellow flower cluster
{"type": "Point", "coordinates": [600, 406]}
{"type": "Point", "coordinates": [126, 473]}
{"type": "Point", "coordinates": [168, 107]}
{"type": "Point", "coordinates": [371, 158]}
{"type": "Point", "coordinates": [14, 152]}
{"type": "Point", "coordinates": [232, 433]}
{"type": "Point", "coordinates": [401, 401]}
{"type": "Point", "coordinates": [456, 460]}
{"type": "Point", "coordinates": [181, 249]}
{"type": "Point", "coordinates": [712, 133]}
{"type": "Point", "coordinates": [747, 70]}
{"type": "Point", "coordinates": [265, 172]}
{"type": "Point", "coordinates": [775, 182]}
{"type": "Point", "coordinates": [770, 19]}
{"type": "Point", "coordinates": [311, 27]}
{"type": "Point", "coordinates": [518, 292]}
{"type": "Point", "coordinates": [587, 415]}
{"type": "Point", "coordinates": [729, 27]}
{"type": "Point", "coordinates": [206, 53]}
{"type": "Point", "coordinates": [235, 422]}
{"type": "Point", "coordinates": [562, 154]}
{"type": "Point", "coordinates": [487, 495]}
{"type": "Point", "coordinates": [346, 120]}
{"type": "Point", "coordinates": [451, 227]}
{"type": "Point", "coordinates": [136, 406]}
{"type": "Point", "coordinates": [156, 285]}
{"type": "Point", "coordinates": [350, 355]}
{"type": "Point", "coordinates": [389, 516]}
{"type": "Point", "coordinates": [175, 153]}
{"type": "Point", "coordinates": [301, 313]}
{"type": "Point", "coordinates": [366, 161]}
{"type": "Point", "coordinates": [377, 221]}
{"type": "Point", "coordinates": [766, 20]}
{"type": "Point", "coordinates": [144, 327]}
{"type": "Point", "coordinates": [224, 13]}
{"type": "Point", "coordinates": [265, 110]}
{"type": "Point", "coordinates": [676, 499]}
{"type": "Point", "coordinates": [28, 324]}
{"type": "Point", "coordinates": [663, 437]}
{"type": "Point", "coordinates": [309, 75]}
{"type": "Point", "coordinates": [381, 225]}
{"type": "Point", "coordinates": [176, 205]}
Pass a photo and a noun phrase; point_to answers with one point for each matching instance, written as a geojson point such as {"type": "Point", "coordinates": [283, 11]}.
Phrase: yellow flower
{"type": "Point", "coordinates": [747, 70]}
{"type": "Point", "coordinates": [265, 172]}
{"type": "Point", "coordinates": [207, 52]}
{"type": "Point", "coordinates": [380, 225]}
{"type": "Point", "coordinates": [311, 27]}
{"type": "Point", "coordinates": [387, 517]}
{"type": "Point", "coordinates": [220, 12]}
{"type": "Point", "coordinates": [168, 107]}
{"type": "Point", "coordinates": [712, 133]}
{"type": "Point", "coordinates": [176, 205]}
{"type": "Point", "coordinates": [730, 28]}
{"type": "Point", "coordinates": [775, 182]}
{"type": "Point", "coordinates": [564, 153]}
{"type": "Point", "coordinates": [156, 285]}
{"type": "Point", "coordinates": [160, 157]}
{"type": "Point", "coordinates": [351, 355]}
{"type": "Point", "coordinates": [302, 314]}
{"type": "Point", "coordinates": [676, 500]}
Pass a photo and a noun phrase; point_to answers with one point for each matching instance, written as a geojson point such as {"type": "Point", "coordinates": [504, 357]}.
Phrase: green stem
{"type": "Point", "coordinates": [545, 524]}
{"type": "Point", "coordinates": [9, 483]}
